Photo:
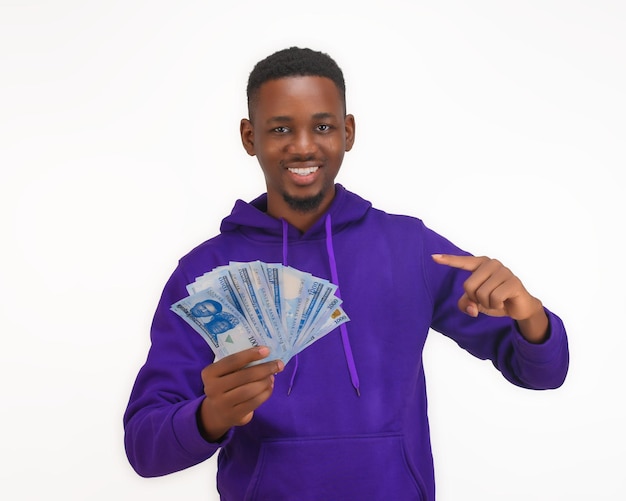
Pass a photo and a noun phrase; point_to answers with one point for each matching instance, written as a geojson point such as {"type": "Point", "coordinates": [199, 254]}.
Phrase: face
{"type": "Point", "coordinates": [204, 309]}
{"type": "Point", "coordinates": [219, 326]}
{"type": "Point", "coordinates": [299, 133]}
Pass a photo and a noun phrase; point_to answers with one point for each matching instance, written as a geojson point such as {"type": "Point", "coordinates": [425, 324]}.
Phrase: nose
{"type": "Point", "coordinates": [302, 144]}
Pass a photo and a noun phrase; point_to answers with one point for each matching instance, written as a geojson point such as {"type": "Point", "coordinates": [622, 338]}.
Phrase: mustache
{"type": "Point", "coordinates": [301, 159]}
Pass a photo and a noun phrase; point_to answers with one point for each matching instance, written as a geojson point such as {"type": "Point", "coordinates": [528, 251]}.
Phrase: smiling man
{"type": "Point", "coordinates": [346, 419]}
{"type": "Point", "coordinates": [299, 132]}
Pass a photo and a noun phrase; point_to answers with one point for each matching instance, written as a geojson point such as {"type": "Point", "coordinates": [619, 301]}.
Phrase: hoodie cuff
{"type": "Point", "coordinates": [546, 352]}
{"type": "Point", "coordinates": [185, 425]}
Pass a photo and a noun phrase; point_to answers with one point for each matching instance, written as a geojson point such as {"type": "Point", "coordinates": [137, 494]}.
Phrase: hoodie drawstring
{"type": "Point", "coordinates": [285, 263]}
{"type": "Point", "coordinates": [285, 240]}
{"type": "Point", "coordinates": [347, 349]}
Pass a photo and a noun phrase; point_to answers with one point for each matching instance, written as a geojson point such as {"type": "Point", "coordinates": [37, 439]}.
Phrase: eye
{"type": "Point", "coordinates": [323, 127]}
{"type": "Point", "coordinates": [280, 130]}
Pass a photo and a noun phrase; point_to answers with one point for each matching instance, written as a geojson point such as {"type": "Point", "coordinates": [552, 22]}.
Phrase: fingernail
{"type": "Point", "coordinates": [264, 350]}
{"type": "Point", "coordinates": [280, 364]}
{"type": "Point", "coordinates": [472, 311]}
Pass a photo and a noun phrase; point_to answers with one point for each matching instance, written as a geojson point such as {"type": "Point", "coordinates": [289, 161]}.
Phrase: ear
{"type": "Point", "coordinates": [350, 131]}
{"type": "Point", "coordinates": [246, 130]}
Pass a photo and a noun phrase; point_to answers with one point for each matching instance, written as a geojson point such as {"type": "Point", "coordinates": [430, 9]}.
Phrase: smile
{"type": "Point", "coordinates": [305, 171]}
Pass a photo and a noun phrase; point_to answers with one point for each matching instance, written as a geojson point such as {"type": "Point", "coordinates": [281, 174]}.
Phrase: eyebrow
{"type": "Point", "coordinates": [285, 118]}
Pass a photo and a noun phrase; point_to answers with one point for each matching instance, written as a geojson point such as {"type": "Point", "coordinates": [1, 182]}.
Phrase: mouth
{"type": "Point", "coordinates": [303, 171]}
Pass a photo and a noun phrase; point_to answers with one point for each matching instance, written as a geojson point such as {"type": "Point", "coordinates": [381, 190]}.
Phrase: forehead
{"type": "Point", "coordinates": [299, 94]}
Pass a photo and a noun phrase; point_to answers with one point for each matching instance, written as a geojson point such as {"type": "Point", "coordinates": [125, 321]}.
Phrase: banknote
{"type": "Point", "coordinates": [292, 298]}
{"type": "Point", "coordinates": [316, 292]}
{"type": "Point", "coordinates": [336, 318]}
{"type": "Point", "coordinates": [245, 304]}
{"type": "Point", "coordinates": [221, 325]}
{"type": "Point", "coordinates": [260, 301]}
{"type": "Point", "coordinates": [328, 307]}
{"type": "Point", "coordinates": [273, 273]}
{"type": "Point", "coordinates": [218, 279]}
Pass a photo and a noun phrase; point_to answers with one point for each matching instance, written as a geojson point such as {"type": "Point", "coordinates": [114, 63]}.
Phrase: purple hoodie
{"type": "Point", "coordinates": [348, 416]}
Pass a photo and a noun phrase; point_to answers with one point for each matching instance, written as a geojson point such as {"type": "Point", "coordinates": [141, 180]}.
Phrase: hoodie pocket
{"type": "Point", "coordinates": [335, 469]}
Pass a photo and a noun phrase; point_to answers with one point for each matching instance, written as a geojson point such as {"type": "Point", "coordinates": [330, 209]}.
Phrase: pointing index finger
{"type": "Point", "coordinates": [469, 263]}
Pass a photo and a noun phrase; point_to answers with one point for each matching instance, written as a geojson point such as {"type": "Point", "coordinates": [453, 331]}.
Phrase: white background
{"type": "Point", "coordinates": [500, 124]}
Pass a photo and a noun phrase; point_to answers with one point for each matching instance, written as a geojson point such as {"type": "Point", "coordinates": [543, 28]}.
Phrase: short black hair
{"type": "Point", "coordinates": [292, 62]}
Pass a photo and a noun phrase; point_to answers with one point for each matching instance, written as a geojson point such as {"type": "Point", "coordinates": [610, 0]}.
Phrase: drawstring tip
{"type": "Point", "coordinates": [358, 392]}
{"type": "Point", "coordinates": [289, 391]}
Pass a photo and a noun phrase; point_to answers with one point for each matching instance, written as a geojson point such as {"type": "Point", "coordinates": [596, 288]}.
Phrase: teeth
{"type": "Point", "coordinates": [305, 171]}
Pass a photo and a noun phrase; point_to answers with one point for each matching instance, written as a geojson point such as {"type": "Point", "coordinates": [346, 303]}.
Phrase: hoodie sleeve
{"type": "Point", "coordinates": [535, 366]}
{"type": "Point", "coordinates": [161, 431]}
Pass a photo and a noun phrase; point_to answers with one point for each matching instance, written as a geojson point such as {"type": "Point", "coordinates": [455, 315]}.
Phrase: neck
{"type": "Point", "coordinates": [278, 208]}
{"type": "Point", "coordinates": [302, 221]}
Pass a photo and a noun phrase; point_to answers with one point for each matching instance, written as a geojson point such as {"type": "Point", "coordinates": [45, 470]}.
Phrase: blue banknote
{"type": "Point", "coordinates": [245, 304]}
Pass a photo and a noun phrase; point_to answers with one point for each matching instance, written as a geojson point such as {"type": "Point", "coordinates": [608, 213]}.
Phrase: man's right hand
{"type": "Point", "coordinates": [234, 391]}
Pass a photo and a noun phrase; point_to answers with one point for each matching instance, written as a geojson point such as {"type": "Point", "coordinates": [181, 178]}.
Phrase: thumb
{"type": "Point", "coordinates": [246, 419]}
{"type": "Point", "coordinates": [467, 306]}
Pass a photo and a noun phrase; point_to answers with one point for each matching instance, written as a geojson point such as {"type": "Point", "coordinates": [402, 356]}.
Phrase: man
{"type": "Point", "coordinates": [214, 320]}
{"type": "Point", "coordinates": [347, 419]}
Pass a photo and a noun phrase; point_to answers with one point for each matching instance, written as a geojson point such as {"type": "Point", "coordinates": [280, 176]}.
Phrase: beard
{"type": "Point", "coordinates": [304, 204]}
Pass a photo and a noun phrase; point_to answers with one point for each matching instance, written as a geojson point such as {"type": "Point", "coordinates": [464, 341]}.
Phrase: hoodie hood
{"type": "Point", "coordinates": [253, 220]}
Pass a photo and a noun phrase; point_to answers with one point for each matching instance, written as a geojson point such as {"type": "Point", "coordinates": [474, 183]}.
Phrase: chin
{"type": "Point", "coordinates": [304, 204]}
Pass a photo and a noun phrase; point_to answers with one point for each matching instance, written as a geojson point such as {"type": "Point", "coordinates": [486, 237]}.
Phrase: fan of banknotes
{"type": "Point", "coordinates": [242, 305]}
